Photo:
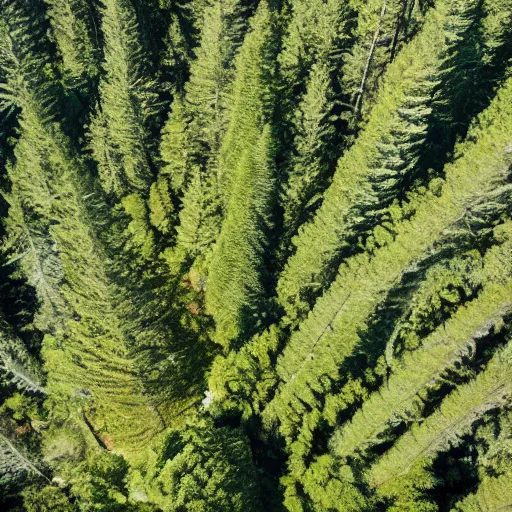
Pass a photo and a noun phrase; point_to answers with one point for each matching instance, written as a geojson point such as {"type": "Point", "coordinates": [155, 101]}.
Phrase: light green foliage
{"type": "Point", "coordinates": [309, 66]}
{"type": "Point", "coordinates": [173, 148]}
{"type": "Point", "coordinates": [119, 135]}
{"type": "Point", "coordinates": [326, 490]}
{"type": "Point", "coordinates": [411, 493]}
{"type": "Point", "coordinates": [98, 484]}
{"type": "Point", "coordinates": [310, 362]}
{"type": "Point", "coordinates": [293, 291]}
{"type": "Point", "coordinates": [317, 33]}
{"type": "Point", "coordinates": [199, 218]}
{"type": "Point", "coordinates": [139, 228]}
{"type": "Point", "coordinates": [161, 208]}
{"type": "Point", "coordinates": [444, 428]}
{"type": "Point", "coordinates": [28, 241]}
{"type": "Point", "coordinates": [193, 133]}
{"type": "Point", "coordinates": [45, 499]}
{"type": "Point", "coordinates": [374, 171]}
{"type": "Point", "coordinates": [246, 179]}
{"type": "Point", "coordinates": [493, 440]}
{"type": "Point", "coordinates": [73, 27]}
{"type": "Point", "coordinates": [400, 399]}
{"type": "Point", "coordinates": [253, 94]}
{"type": "Point", "coordinates": [446, 286]}
{"type": "Point", "coordinates": [177, 53]}
{"type": "Point", "coordinates": [211, 76]}
{"type": "Point", "coordinates": [493, 494]}
{"type": "Point", "coordinates": [201, 468]}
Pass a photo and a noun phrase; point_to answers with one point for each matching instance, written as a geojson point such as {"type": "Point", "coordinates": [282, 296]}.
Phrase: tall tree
{"type": "Point", "coordinates": [310, 363]}
{"type": "Point", "coordinates": [202, 468]}
{"type": "Point", "coordinates": [246, 188]}
{"type": "Point", "coordinates": [119, 131]}
{"type": "Point", "coordinates": [382, 28]}
{"type": "Point", "coordinates": [85, 349]}
{"type": "Point", "coordinates": [193, 133]}
{"type": "Point", "coordinates": [235, 291]}
{"type": "Point", "coordinates": [74, 29]}
{"type": "Point", "coordinates": [376, 170]}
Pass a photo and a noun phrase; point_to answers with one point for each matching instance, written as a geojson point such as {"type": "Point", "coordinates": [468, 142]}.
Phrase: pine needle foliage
{"type": "Point", "coordinates": [119, 135]}
{"type": "Point", "coordinates": [255, 255]}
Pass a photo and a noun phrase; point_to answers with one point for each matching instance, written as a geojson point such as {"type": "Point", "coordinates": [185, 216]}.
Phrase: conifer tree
{"type": "Point", "coordinates": [253, 94]}
{"type": "Point", "coordinates": [447, 351]}
{"type": "Point", "coordinates": [28, 240]}
{"type": "Point", "coordinates": [311, 164]}
{"type": "Point", "coordinates": [408, 383]}
{"type": "Point", "coordinates": [295, 293]}
{"type": "Point", "coordinates": [73, 23]}
{"type": "Point", "coordinates": [241, 382]}
{"type": "Point", "coordinates": [249, 91]}
{"type": "Point", "coordinates": [489, 390]}
{"type": "Point", "coordinates": [318, 32]}
{"type": "Point", "coordinates": [201, 468]}
{"type": "Point", "coordinates": [146, 293]}
{"type": "Point", "coordinates": [174, 148]}
{"type": "Point", "coordinates": [474, 65]}
{"type": "Point", "coordinates": [236, 279]}
{"type": "Point", "coordinates": [119, 132]}
{"type": "Point", "coordinates": [493, 493]}
{"type": "Point", "coordinates": [17, 365]}
{"type": "Point", "coordinates": [492, 441]}
{"type": "Point", "coordinates": [310, 363]}
{"type": "Point", "coordinates": [382, 28]}
{"type": "Point", "coordinates": [85, 350]}
{"type": "Point", "coordinates": [192, 135]}
{"type": "Point", "coordinates": [374, 171]}
{"type": "Point", "coordinates": [15, 465]}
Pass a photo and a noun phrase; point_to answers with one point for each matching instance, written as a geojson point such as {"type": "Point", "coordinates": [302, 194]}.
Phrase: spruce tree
{"type": "Point", "coordinates": [119, 131]}
{"type": "Point", "coordinates": [311, 164]}
{"type": "Point", "coordinates": [310, 363]}
{"type": "Point", "coordinates": [85, 349]}
{"type": "Point", "coordinates": [458, 411]}
{"type": "Point", "coordinates": [317, 32]}
{"type": "Point", "coordinates": [375, 171]}
{"type": "Point", "coordinates": [382, 28]}
{"type": "Point", "coordinates": [193, 133]}
{"type": "Point", "coordinates": [201, 468]}
{"type": "Point", "coordinates": [235, 289]}
{"type": "Point", "coordinates": [253, 94]}
{"type": "Point", "coordinates": [73, 23]}
{"type": "Point", "coordinates": [17, 365]}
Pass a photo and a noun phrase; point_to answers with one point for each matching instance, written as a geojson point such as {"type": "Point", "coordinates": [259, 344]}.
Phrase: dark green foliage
{"type": "Point", "coordinates": [99, 483]}
{"type": "Point", "coordinates": [202, 468]}
{"type": "Point", "coordinates": [45, 499]}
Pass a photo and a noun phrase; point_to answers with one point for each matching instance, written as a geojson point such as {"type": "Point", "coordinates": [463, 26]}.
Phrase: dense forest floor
{"type": "Point", "coordinates": [256, 255]}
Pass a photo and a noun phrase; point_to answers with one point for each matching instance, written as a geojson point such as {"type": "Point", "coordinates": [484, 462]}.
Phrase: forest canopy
{"type": "Point", "coordinates": [256, 255]}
